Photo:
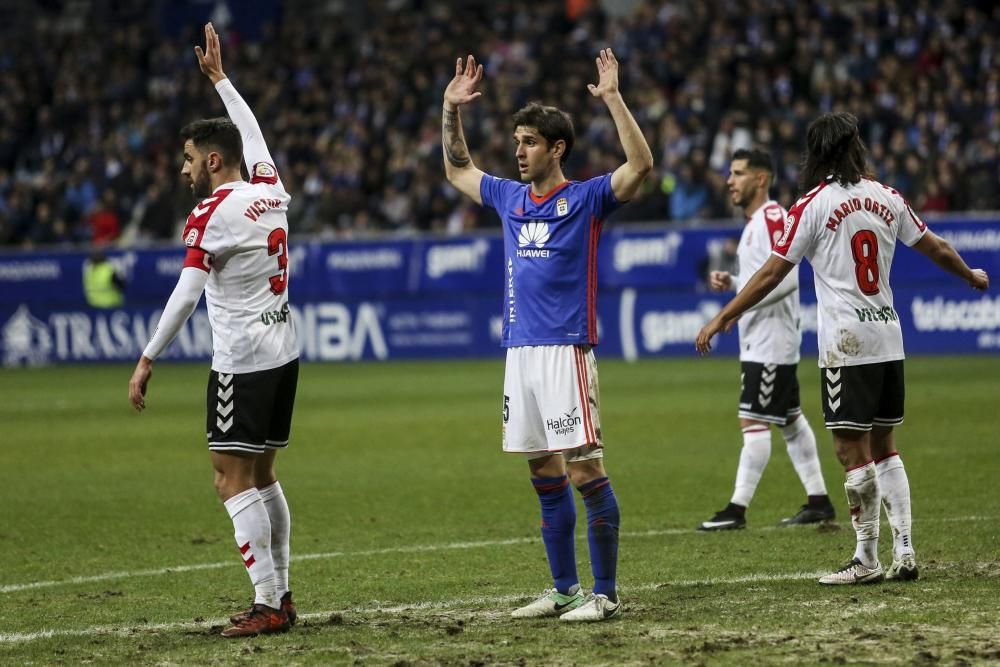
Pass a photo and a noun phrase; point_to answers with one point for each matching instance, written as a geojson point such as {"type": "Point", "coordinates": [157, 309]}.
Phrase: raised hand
{"type": "Point", "coordinates": [607, 75]}
{"type": "Point", "coordinates": [210, 60]}
{"type": "Point", "coordinates": [462, 89]}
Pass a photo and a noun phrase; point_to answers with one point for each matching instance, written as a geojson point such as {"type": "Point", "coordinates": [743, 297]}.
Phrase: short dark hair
{"type": "Point", "coordinates": [756, 158]}
{"type": "Point", "coordinates": [834, 149]}
{"type": "Point", "coordinates": [552, 123]}
{"type": "Point", "coordinates": [218, 134]}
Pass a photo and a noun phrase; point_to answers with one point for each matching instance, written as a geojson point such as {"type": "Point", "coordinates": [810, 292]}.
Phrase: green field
{"type": "Point", "coordinates": [414, 535]}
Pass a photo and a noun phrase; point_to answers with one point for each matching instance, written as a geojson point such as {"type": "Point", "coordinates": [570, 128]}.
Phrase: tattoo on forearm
{"type": "Point", "coordinates": [454, 143]}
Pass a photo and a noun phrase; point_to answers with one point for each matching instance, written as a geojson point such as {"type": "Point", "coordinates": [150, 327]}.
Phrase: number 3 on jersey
{"type": "Point", "coordinates": [277, 244]}
{"type": "Point", "coordinates": [864, 247]}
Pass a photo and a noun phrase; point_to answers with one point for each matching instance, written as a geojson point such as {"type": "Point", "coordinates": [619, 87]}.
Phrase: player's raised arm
{"type": "Point", "coordinates": [458, 166]}
{"type": "Point", "coordinates": [626, 179]}
{"type": "Point", "coordinates": [254, 147]}
{"type": "Point", "coordinates": [760, 285]}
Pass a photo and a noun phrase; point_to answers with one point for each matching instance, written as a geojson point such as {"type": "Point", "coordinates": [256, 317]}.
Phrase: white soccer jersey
{"type": "Point", "coordinates": [239, 235]}
{"type": "Point", "coordinates": [849, 235]}
{"type": "Point", "coordinates": [768, 334]}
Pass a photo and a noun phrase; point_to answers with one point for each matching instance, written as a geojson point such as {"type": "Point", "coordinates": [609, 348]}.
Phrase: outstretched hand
{"type": "Point", "coordinates": [607, 75]}
{"type": "Point", "coordinates": [980, 280]}
{"type": "Point", "coordinates": [210, 60]}
{"type": "Point", "coordinates": [462, 89]}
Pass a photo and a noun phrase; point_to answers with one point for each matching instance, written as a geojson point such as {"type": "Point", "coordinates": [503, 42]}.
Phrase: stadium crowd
{"type": "Point", "coordinates": [349, 97]}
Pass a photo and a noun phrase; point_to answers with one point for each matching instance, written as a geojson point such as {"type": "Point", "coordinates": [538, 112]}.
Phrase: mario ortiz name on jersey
{"type": "Point", "coordinates": [855, 204]}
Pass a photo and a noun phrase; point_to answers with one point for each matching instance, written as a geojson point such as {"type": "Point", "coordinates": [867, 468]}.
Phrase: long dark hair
{"type": "Point", "coordinates": [834, 148]}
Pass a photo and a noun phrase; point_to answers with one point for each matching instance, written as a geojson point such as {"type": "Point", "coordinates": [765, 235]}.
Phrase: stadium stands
{"type": "Point", "coordinates": [349, 97]}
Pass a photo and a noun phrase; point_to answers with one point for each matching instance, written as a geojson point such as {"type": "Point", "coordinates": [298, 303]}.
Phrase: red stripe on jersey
{"type": "Point", "coordinates": [792, 222]}
{"type": "Point", "coordinates": [595, 235]}
{"type": "Point", "coordinates": [540, 199]}
{"type": "Point", "coordinates": [264, 172]}
{"type": "Point", "coordinates": [774, 219]}
{"type": "Point", "coordinates": [921, 225]}
{"type": "Point", "coordinates": [581, 380]}
{"type": "Point", "coordinates": [198, 259]}
{"type": "Point", "coordinates": [194, 230]}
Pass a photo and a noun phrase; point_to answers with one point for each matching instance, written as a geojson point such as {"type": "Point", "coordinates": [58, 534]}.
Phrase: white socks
{"type": "Point", "coordinates": [281, 529]}
{"type": "Point", "coordinates": [895, 488]}
{"type": "Point", "coordinates": [753, 459]}
{"type": "Point", "coordinates": [801, 444]}
{"type": "Point", "coordinates": [864, 500]}
{"type": "Point", "coordinates": [253, 539]}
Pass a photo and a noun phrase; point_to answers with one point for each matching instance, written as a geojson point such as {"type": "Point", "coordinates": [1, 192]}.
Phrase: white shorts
{"type": "Point", "coordinates": [550, 401]}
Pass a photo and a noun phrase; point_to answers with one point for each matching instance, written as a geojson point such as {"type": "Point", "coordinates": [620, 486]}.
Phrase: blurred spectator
{"type": "Point", "coordinates": [103, 284]}
{"type": "Point", "coordinates": [349, 96]}
{"type": "Point", "coordinates": [103, 220]}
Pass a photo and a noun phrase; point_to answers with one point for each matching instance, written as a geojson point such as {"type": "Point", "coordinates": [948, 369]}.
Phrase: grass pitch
{"type": "Point", "coordinates": [413, 535]}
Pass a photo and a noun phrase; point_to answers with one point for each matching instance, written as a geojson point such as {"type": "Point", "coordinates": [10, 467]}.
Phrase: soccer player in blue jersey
{"type": "Point", "coordinates": [550, 406]}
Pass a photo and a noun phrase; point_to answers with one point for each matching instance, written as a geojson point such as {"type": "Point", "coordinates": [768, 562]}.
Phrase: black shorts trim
{"type": "Point", "coordinates": [769, 392]}
{"type": "Point", "coordinates": [251, 412]}
{"type": "Point", "coordinates": [857, 398]}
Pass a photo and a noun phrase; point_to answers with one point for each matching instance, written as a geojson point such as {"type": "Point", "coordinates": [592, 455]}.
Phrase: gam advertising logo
{"type": "Point", "coordinates": [456, 257]}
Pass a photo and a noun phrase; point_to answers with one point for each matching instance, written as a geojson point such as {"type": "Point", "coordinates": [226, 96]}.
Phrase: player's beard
{"type": "Point", "coordinates": [741, 198]}
{"type": "Point", "coordinates": [201, 185]}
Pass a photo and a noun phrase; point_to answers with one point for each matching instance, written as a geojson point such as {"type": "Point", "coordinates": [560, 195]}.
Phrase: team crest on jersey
{"type": "Point", "coordinates": [562, 206]}
{"type": "Point", "coordinates": [191, 238]}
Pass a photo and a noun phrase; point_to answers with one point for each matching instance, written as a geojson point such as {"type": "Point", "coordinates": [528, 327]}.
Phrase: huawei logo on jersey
{"type": "Point", "coordinates": [533, 233]}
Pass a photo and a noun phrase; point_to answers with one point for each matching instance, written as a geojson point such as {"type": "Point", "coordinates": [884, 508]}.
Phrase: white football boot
{"type": "Point", "coordinates": [854, 573]}
{"type": "Point", "coordinates": [551, 603]}
{"type": "Point", "coordinates": [903, 569]}
{"type": "Point", "coordinates": [597, 607]}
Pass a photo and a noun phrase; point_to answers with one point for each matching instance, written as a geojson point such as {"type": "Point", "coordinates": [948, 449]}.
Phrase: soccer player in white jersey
{"type": "Point", "coordinates": [237, 252]}
{"type": "Point", "coordinates": [769, 355]}
{"type": "Point", "coordinates": [847, 226]}
{"type": "Point", "coordinates": [550, 410]}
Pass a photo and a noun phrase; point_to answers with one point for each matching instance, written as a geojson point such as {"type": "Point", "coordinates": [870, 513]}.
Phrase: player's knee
{"type": "Point", "coordinates": [584, 472]}
{"type": "Point", "coordinates": [853, 447]}
{"type": "Point", "coordinates": [221, 487]}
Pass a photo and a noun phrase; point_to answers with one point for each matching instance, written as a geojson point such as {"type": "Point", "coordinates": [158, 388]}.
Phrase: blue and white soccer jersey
{"type": "Point", "coordinates": [550, 401]}
{"type": "Point", "coordinates": [550, 312]}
